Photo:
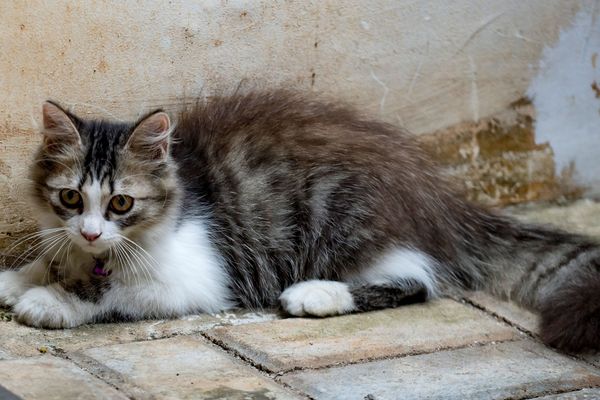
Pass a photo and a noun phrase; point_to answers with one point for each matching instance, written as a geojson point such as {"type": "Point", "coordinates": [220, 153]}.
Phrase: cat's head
{"type": "Point", "coordinates": [102, 183]}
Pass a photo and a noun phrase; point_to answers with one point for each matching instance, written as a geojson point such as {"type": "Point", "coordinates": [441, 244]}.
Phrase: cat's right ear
{"type": "Point", "coordinates": [58, 127]}
{"type": "Point", "coordinates": [150, 137]}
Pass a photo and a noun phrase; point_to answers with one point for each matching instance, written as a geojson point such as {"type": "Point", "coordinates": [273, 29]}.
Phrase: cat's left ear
{"type": "Point", "coordinates": [150, 137]}
{"type": "Point", "coordinates": [59, 128]}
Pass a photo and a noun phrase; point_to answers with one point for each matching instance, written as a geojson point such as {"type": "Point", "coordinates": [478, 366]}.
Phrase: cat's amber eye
{"type": "Point", "coordinates": [70, 198]}
{"type": "Point", "coordinates": [121, 203]}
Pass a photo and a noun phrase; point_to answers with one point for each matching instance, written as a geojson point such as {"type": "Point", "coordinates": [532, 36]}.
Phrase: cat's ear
{"type": "Point", "coordinates": [59, 128]}
{"type": "Point", "coordinates": [150, 137]}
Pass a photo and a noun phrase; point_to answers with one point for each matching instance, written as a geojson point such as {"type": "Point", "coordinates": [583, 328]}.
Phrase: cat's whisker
{"type": "Point", "coordinates": [127, 263]}
{"type": "Point", "coordinates": [64, 240]}
{"type": "Point", "coordinates": [31, 236]}
{"type": "Point", "coordinates": [34, 249]}
{"type": "Point", "coordinates": [132, 242]}
{"type": "Point", "coordinates": [141, 261]}
{"type": "Point", "coordinates": [113, 259]}
{"type": "Point", "coordinates": [62, 266]}
{"type": "Point", "coordinates": [145, 263]}
{"type": "Point", "coordinates": [119, 259]}
{"type": "Point", "coordinates": [145, 266]}
{"type": "Point", "coordinates": [111, 256]}
{"type": "Point", "coordinates": [146, 260]}
{"type": "Point", "coordinates": [68, 252]}
{"type": "Point", "coordinates": [57, 241]}
{"type": "Point", "coordinates": [135, 262]}
{"type": "Point", "coordinates": [124, 268]}
{"type": "Point", "coordinates": [120, 263]}
{"type": "Point", "coordinates": [65, 267]}
{"type": "Point", "coordinates": [60, 261]}
{"type": "Point", "coordinates": [36, 233]}
{"type": "Point", "coordinates": [45, 246]}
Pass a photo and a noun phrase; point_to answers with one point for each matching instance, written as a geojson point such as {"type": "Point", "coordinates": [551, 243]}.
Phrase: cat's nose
{"type": "Point", "coordinates": [90, 236]}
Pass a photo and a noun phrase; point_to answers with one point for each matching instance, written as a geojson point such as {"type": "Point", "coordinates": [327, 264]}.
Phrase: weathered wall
{"type": "Point", "coordinates": [497, 161]}
{"type": "Point", "coordinates": [425, 65]}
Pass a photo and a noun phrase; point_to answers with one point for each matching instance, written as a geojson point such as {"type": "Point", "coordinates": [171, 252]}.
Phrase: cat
{"type": "Point", "coordinates": [274, 198]}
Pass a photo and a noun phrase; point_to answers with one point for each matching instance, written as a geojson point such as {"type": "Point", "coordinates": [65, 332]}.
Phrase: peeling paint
{"type": "Point", "coordinates": [497, 161]}
{"type": "Point", "coordinates": [566, 96]}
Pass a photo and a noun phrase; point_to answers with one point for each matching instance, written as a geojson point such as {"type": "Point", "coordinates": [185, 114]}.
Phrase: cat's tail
{"type": "Point", "coordinates": [555, 273]}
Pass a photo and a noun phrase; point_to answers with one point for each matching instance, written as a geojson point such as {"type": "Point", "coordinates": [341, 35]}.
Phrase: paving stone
{"type": "Point", "coordinates": [186, 367]}
{"type": "Point", "coordinates": [592, 358]}
{"type": "Point", "coordinates": [303, 342]}
{"type": "Point", "coordinates": [520, 369]}
{"type": "Point", "coordinates": [20, 340]}
{"type": "Point", "coordinates": [508, 310]}
{"type": "Point", "coordinates": [241, 317]}
{"type": "Point", "coordinates": [587, 394]}
{"type": "Point", "coordinates": [5, 355]}
{"type": "Point", "coordinates": [48, 378]}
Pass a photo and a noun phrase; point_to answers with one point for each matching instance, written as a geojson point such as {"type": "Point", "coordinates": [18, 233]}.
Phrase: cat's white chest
{"type": "Point", "coordinates": [187, 260]}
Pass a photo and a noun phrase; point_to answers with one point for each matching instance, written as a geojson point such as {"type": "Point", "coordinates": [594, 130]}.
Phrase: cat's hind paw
{"type": "Point", "coordinates": [317, 298]}
{"type": "Point", "coordinates": [51, 307]}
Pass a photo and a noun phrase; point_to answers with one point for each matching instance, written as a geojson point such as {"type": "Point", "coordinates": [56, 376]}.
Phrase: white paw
{"type": "Point", "coordinates": [50, 307]}
{"type": "Point", "coordinates": [12, 285]}
{"type": "Point", "coordinates": [318, 298]}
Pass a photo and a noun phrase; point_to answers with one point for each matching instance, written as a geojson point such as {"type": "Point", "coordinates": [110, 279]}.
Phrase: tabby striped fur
{"type": "Point", "coordinates": [292, 200]}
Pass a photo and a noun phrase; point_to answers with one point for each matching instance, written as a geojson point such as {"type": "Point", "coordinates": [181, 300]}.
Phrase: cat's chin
{"type": "Point", "coordinates": [93, 249]}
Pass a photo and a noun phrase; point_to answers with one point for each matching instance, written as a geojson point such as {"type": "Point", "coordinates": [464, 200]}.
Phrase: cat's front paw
{"type": "Point", "coordinates": [51, 307]}
{"type": "Point", "coordinates": [12, 286]}
{"type": "Point", "coordinates": [317, 298]}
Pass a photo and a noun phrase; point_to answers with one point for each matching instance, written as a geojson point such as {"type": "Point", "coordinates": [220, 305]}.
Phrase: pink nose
{"type": "Point", "coordinates": [90, 236]}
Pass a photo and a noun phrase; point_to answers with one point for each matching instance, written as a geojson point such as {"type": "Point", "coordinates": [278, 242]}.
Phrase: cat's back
{"type": "Point", "coordinates": [284, 123]}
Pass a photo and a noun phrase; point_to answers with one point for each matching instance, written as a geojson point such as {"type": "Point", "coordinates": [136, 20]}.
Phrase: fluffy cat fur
{"type": "Point", "coordinates": [269, 198]}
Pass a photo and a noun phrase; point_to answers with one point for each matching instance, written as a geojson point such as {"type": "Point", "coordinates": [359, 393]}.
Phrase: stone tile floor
{"type": "Point", "coordinates": [471, 348]}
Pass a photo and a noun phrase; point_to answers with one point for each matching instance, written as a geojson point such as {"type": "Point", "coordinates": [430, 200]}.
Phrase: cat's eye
{"type": "Point", "coordinates": [121, 203]}
{"type": "Point", "coordinates": [70, 198]}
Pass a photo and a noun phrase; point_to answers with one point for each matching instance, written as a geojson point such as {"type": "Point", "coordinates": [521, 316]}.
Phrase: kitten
{"type": "Point", "coordinates": [265, 199]}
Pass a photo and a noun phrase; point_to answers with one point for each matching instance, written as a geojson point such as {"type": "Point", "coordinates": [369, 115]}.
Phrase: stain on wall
{"type": "Point", "coordinates": [496, 161]}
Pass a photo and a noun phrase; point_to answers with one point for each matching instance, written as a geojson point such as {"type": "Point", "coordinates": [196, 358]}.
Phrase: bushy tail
{"type": "Point", "coordinates": [554, 273]}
